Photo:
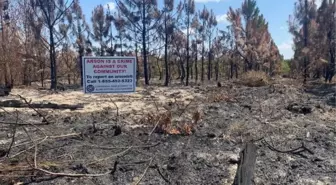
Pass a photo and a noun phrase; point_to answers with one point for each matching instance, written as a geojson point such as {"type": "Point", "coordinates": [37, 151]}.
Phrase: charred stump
{"type": "Point", "coordinates": [5, 90]}
{"type": "Point", "coordinates": [246, 165]}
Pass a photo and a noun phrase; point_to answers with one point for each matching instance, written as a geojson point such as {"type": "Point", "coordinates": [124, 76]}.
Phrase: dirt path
{"type": "Point", "coordinates": [231, 116]}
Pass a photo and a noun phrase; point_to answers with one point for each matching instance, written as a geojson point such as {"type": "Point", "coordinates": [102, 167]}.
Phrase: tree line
{"type": "Point", "coordinates": [314, 32]}
{"type": "Point", "coordinates": [45, 40]}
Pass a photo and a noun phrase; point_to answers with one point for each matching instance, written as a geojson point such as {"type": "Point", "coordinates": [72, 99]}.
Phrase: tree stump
{"type": "Point", "coordinates": [4, 90]}
{"type": "Point", "coordinates": [246, 165]}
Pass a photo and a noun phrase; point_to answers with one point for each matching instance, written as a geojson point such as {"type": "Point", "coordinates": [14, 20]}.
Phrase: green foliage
{"type": "Point", "coordinates": [250, 9]}
{"type": "Point", "coordinates": [285, 67]}
{"type": "Point", "coordinates": [252, 37]}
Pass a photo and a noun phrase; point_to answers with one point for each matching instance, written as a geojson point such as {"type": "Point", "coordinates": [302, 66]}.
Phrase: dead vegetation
{"type": "Point", "coordinates": [255, 79]}
{"type": "Point", "coordinates": [170, 122]}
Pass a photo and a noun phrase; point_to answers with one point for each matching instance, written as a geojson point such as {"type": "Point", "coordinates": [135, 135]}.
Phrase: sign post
{"type": "Point", "coordinates": [109, 75]}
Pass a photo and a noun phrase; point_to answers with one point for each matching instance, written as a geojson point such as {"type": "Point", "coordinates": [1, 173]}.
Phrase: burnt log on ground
{"type": "Point", "coordinates": [246, 165]}
{"type": "Point", "coordinates": [299, 108]}
{"type": "Point", "coordinates": [21, 104]}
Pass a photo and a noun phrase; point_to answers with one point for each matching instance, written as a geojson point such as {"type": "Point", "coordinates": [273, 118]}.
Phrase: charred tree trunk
{"type": "Point", "coordinates": [191, 70]}
{"type": "Point", "coordinates": [81, 67]}
{"type": "Point", "coordinates": [231, 69]}
{"type": "Point", "coordinates": [69, 79]}
{"type": "Point", "coordinates": [170, 67]}
{"type": "Point", "coordinates": [6, 68]}
{"type": "Point", "coordinates": [236, 70]}
{"type": "Point", "coordinates": [121, 46]}
{"type": "Point", "coordinates": [137, 61]}
{"type": "Point", "coordinates": [217, 70]}
{"type": "Point", "coordinates": [332, 52]}
{"type": "Point", "coordinates": [187, 80]}
{"type": "Point", "coordinates": [202, 69]}
{"type": "Point", "coordinates": [249, 65]}
{"type": "Point", "coordinates": [305, 35]}
{"type": "Point", "coordinates": [144, 30]}
{"type": "Point", "coordinates": [332, 67]}
{"type": "Point", "coordinates": [42, 67]}
{"type": "Point", "coordinates": [52, 52]}
{"type": "Point", "coordinates": [209, 61]}
{"type": "Point", "coordinates": [166, 53]}
{"type": "Point", "coordinates": [330, 72]}
{"type": "Point", "coordinates": [182, 71]}
{"type": "Point", "coordinates": [196, 67]}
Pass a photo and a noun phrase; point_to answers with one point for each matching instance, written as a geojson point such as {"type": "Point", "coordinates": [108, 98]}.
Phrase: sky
{"type": "Point", "coordinates": [276, 12]}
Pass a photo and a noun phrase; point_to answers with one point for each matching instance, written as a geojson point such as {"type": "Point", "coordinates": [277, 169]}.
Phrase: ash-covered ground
{"type": "Point", "coordinates": [113, 136]}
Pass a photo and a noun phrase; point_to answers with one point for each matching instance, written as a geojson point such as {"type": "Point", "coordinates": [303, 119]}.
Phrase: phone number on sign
{"type": "Point", "coordinates": [116, 81]}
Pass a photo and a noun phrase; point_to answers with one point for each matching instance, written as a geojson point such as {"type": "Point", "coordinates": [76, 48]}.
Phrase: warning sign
{"type": "Point", "coordinates": [109, 74]}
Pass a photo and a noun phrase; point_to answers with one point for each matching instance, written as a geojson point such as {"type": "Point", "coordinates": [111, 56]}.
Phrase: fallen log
{"type": "Point", "coordinates": [246, 165]}
{"type": "Point", "coordinates": [21, 104]}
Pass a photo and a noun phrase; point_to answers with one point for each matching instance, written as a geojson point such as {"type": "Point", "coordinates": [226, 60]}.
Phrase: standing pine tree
{"type": "Point", "coordinates": [101, 27]}
{"type": "Point", "coordinates": [249, 11]}
{"type": "Point", "coordinates": [196, 26]}
{"type": "Point", "coordinates": [167, 29]}
{"type": "Point", "coordinates": [143, 17]}
{"type": "Point", "coordinates": [204, 16]}
{"type": "Point", "coordinates": [300, 25]}
{"type": "Point", "coordinates": [50, 12]}
{"type": "Point", "coordinates": [211, 24]}
{"type": "Point", "coordinates": [251, 36]}
{"type": "Point", "coordinates": [189, 10]}
{"type": "Point", "coordinates": [327, 36]}
{"type": "Point", "coordinates": [119, 23]}
{"type": "Point", "coordinates": [79, 27]}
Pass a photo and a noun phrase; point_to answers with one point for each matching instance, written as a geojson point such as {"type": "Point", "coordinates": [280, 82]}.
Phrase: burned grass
{"type": "Point", "coordinates": [178, 137]}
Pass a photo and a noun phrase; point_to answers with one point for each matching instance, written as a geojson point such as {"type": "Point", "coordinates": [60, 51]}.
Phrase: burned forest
{"type": "Point", "coordinates": [180, 92]}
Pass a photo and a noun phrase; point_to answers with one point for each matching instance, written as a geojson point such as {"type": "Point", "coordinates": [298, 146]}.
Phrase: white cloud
{"type": "Point", "coordinates": [286, 45]}
{"type": "Point", "coordinates": [112, 5]}
{"type": "Point", "coordinates": [286, 49]}
{"type": "Point", "coordinates": [222, 19]}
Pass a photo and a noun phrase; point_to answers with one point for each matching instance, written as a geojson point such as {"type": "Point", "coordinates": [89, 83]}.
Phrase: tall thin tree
{"type": "Point", "coordinates": [190, 10]}
{"type": "Point", "coordinates": [101, 27]}
{"type": "Point", "coordinates": [144, 17]}
{"type": "Point", "coordinates": [51, 12]}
